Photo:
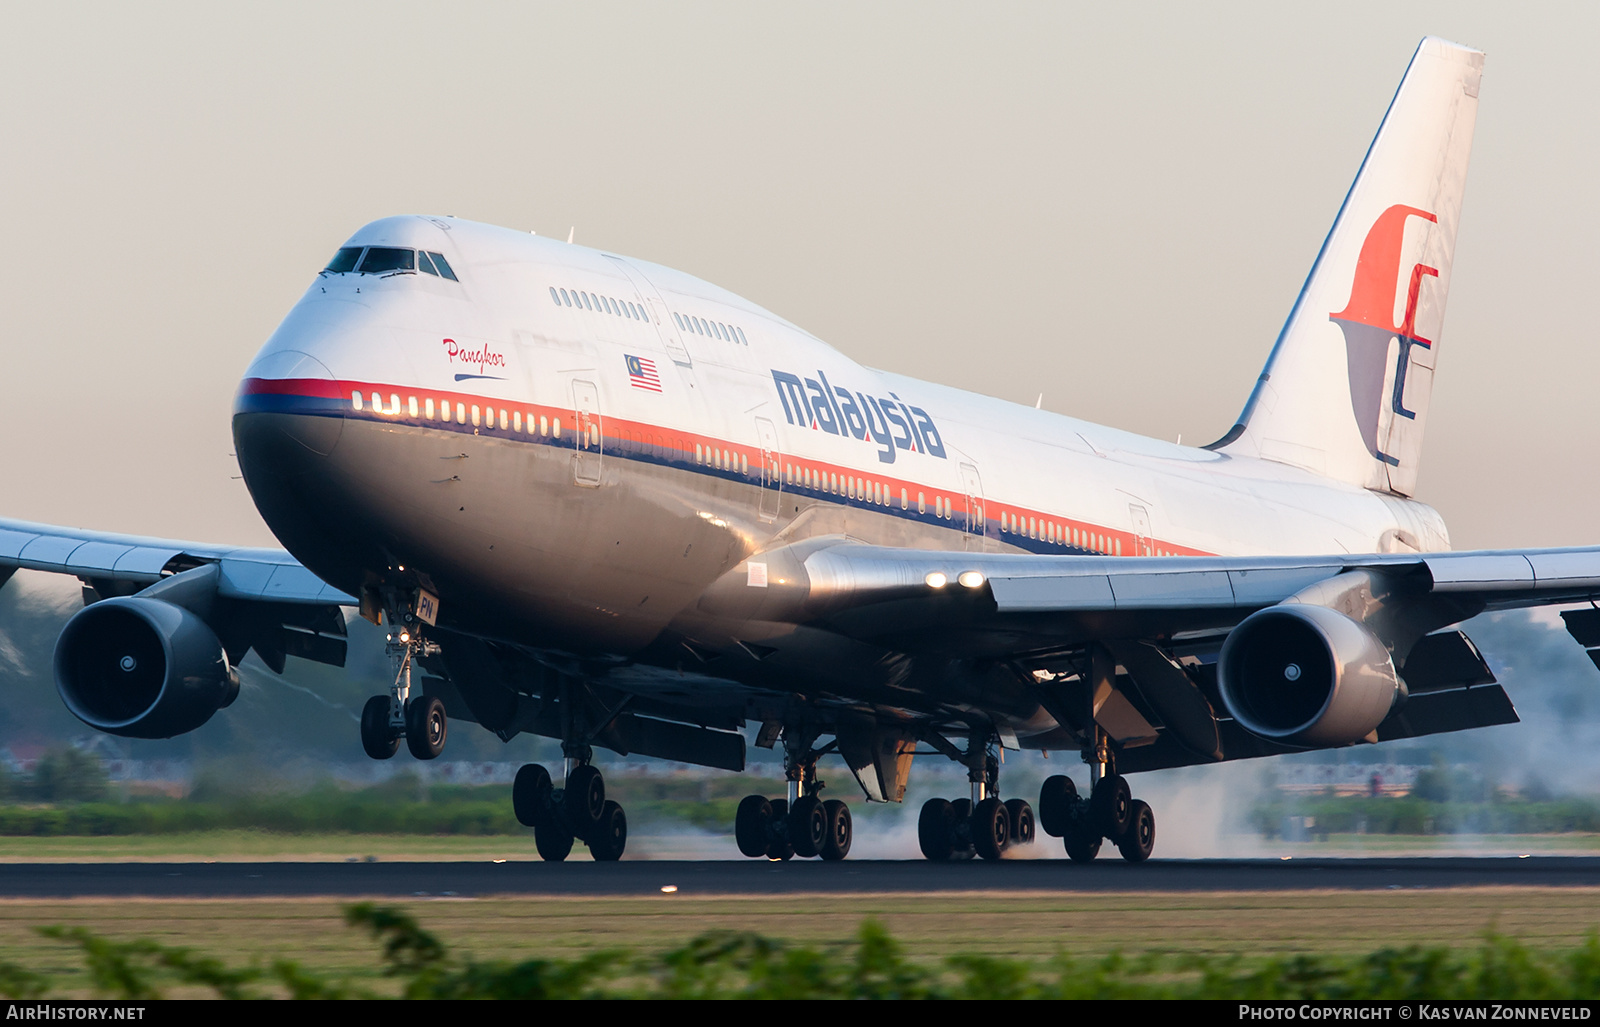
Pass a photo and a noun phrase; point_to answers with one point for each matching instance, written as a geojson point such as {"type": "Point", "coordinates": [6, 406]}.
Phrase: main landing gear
{"type": "Point", "coordinates": [420, 720]}
{"type": "Point", "coordinates": [983, 825]}
{"type": "Point", "coordinates": [579, 811]}
{"type": "Point", "coordinates": [803, 824]}
{"type": "Point", "coordinates": [1109, 813]}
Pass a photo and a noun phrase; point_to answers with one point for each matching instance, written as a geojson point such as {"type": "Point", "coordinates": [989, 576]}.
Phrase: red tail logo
{"type": "Point", "coordinates": [1367, 321]}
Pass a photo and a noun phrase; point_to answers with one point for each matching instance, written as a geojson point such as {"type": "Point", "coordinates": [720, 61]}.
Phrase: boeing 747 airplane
{"type": "Point", "coordinates": [603, 501]}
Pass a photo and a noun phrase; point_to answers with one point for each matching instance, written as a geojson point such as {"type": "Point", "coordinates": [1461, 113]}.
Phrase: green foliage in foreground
{"type": "Point", "coordinates": [741, 965]}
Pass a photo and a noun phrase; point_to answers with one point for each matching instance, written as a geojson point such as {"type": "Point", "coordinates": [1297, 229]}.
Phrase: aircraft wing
{"type": "Point", "coordinates": [1157, 626]}
{"type": "Point", "coordinates": [992, 604]}
{"type": "Point", "coordinates": [120, 561]}
{"type": "Point", "coordinates": [263, 598]}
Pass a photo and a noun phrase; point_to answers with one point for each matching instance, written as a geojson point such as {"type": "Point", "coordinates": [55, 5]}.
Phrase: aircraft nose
{"type": "Point", "coordinates": [300, 393]}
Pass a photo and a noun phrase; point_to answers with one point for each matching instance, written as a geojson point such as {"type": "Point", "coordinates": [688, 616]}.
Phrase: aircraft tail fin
{"type": "Point", "coordinates": [1345, 390]}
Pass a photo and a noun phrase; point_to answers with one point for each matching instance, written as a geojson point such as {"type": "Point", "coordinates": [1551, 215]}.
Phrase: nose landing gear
{"type": "Point", "coordinates": [421, 721]}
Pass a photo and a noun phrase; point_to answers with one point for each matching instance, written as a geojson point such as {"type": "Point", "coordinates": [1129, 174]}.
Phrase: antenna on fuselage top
{"type": "Point", "coordinates": [570, 232]}
{"type": "Point", "coordinates": [1038, 403]}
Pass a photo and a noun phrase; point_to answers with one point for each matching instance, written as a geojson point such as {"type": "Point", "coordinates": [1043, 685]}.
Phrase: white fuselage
{"type": "Point", "coordinates": [1044, 481]}
{"type": "Point", "coordinates": [570, 450]}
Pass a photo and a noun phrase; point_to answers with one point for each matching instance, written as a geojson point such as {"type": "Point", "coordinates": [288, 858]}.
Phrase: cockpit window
{"type": "Point", "coordinates": [443, 266]}
{"type": "Point", "coordinates": [384, 260]}
{"type": "Point", "coordinates": [344, 260]}
{"type": "Point", "coordinates": [380, 259]}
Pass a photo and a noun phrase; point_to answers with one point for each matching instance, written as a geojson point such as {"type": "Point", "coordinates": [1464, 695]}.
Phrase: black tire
{"type": "Point", "coordinates": [840, 829]}
{"type": "Point", "coordinates": [991, 828]}
{"type": "Point", "coordinates": [780, 847]}
{"type": "Point", "coordinates": [553, 839]}
{"type": "Point", "coordinates": [530, 795]}
{"type": "Point", "coordinates": [376, 739]}
{"type": "Point", "coordinates": [426, 727]}
{"type": "Point", "coordinates": [1056, 799]}
{"type": "Point", "coordinates": [1109, 806]}
{"type": "Point", "coordinates": [752, 825]}
{"type": "Point", "coordinates": [1082, 840]}
{"type": "Point", "coordinates": [611, 836]}
{"type": "Point", "coordinates": [1139, 840]}
{"type": "Point", "coordinates": [584, 800]}
{"type": "Point", "coordinates": [934, 834]}
{"type": "Point", "coordinates": [960, 828]}
{"type": "Point", "coordinates": [1022, 826]}
{"type": "Point", "coordinates": [808, 826]}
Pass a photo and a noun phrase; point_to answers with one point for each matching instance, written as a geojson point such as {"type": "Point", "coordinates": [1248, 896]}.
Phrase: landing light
{"type": "Point", "coordinates": [936, 579]}
{"type": "Point", "coordinates": [405, 636]}
{"type": "Point", "coordinates": [971, 579]}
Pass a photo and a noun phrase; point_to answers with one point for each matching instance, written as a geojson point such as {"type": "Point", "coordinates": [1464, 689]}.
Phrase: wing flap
{"type": "Point", "coordinates": [1163, 590]}
{"type": "Point", "coordinates": [1437, 712]}
{"type": "Point", "coordinates": [1053, 594]}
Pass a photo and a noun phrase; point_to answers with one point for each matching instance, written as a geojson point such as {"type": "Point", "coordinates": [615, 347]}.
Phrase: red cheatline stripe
{"type": "Point", "coordinates": [684, 443]}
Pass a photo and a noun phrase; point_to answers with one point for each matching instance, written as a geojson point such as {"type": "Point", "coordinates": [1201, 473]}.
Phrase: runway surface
{"type": "Point", "coordinates": [466, 880]}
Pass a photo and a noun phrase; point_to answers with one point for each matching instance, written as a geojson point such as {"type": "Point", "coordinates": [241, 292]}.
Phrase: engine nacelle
{"type": "Point", "coordinates": [142, 668]}
{"type": "Point", "coordinates": [1307, 675]}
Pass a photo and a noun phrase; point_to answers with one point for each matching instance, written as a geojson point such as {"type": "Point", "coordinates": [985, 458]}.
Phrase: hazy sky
{"type": "Point", "coordinates": [1113, 205]}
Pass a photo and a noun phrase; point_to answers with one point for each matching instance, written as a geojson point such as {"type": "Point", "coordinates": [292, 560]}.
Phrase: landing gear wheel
{"type": "Point", "coordinates": [808, 826]}
{"type": "Point", "coordinates": [1082, 840]}
{"type": "Point", "coordinates": [752, 825]}
{"type": "Point", "coordinates": [836, 818]}
{"type": "Point", "coordinates": [376, 739]}
{"type": "Point", "coordinates": [1056, 799]}
{"type": "Point", "coordinates": [1021, 816]}
{"type": "Point", "coordinates": [553, 839]}
{"type": "Point", "coordinates": [530, 795]}
{"type": "Point", "coordinates": [584, 799]}
{"type": "Point", "coordinates": [1139, 840]}
{"type": "Point", "coordinates": [611, 836]}
{"type": "Point", "coordinates": [780, 846]}
{"type": "Point", "coordinates": [935, 831]}
{"type": "Point", "coordinates": [1110, 804]}
{"type": "Point", "coordinates": [991, 828]}
{"type": "Point", "coordinates": [426, 727]}
{"type": "Point", "coordinates": [961, 829]}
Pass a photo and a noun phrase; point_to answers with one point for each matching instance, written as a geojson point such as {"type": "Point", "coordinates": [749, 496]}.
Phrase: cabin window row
{"type": "Point", "coordinates": [721, 459]}
{"type": "Point", "coordinates": [877, 493]}
{"type": "Point", "coordinates": [462, 413]}
{"type": "Point", "coordinates": [598, 303]}
{"type": "Point", "coordinates": [1059, 534]}
{"type": "Point", "coordinates": [711, 329]}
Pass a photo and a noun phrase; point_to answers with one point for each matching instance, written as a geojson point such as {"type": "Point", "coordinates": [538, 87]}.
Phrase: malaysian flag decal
{"type": "Point", "coordinates": [642, 373]}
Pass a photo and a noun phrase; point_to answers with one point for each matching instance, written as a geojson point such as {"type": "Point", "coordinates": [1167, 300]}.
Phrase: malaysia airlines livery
{"type": "Point", "coordinates": [603, 501]}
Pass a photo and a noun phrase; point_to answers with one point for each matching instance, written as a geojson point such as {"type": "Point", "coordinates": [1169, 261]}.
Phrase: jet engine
{"type": "Point", "coordinates": [1307, 675]}
{"type": "Point", "coordinates": [142, 668]}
